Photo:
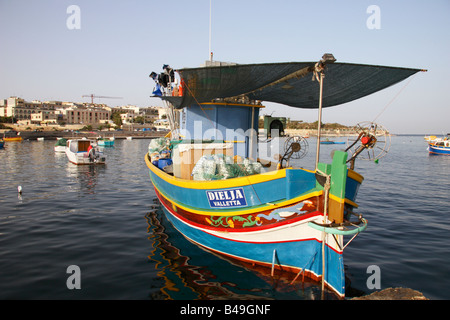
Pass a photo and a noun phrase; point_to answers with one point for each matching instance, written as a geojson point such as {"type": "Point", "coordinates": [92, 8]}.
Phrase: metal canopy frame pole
{"type": "Point", "coordinates": [319, 74]}
{"type": "Point", "coordinates": [319, 125]}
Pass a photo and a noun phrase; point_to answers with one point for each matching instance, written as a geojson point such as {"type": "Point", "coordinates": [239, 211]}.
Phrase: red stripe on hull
{"type": "Point", "coordinates": [169, 204]}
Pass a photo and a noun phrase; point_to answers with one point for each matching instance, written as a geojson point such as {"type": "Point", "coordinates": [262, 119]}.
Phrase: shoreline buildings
{"type": "Point", "coordinates": [60, 113]}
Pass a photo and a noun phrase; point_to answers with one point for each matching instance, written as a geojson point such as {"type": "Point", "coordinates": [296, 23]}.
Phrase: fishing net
{"type": "Point", "coordinates": [219, 166]}
{"type": "Point", "coordinates": [157, 145]}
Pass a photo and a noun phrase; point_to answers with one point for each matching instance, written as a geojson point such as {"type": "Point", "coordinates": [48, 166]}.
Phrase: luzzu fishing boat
{"type": "Point", "coordinates": [218, 193]}
{"type": "Point", "coordinates": [439, 146]}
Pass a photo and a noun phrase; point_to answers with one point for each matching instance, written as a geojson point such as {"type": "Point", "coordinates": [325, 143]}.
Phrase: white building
{"type": "Point", "coordinates": [43, 117]}
{"type": "Point", "coordinates": [127, 118]}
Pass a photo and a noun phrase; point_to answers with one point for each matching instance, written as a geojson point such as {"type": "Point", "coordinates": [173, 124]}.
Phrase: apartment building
{"type": "Point", "coordinates": [37, 112]}
{"type": "Point", "coordinates": [54, 112]}
{"type": "Point", "coordinates": [84, 115]}
{"type": "Point", "coordinates": [23, 110]}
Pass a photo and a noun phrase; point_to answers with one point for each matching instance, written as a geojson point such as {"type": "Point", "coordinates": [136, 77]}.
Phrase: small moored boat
{"type": "Point", "coordinates": [16, 138]}
{"type": "Point", "coordinates": [106, 142]}
{"type": "Point", "coordinates": [439, 146]}
{"type": "Point", "coordinates": [84, 151]}
{"type": "Point", "coordinates": [60, 145]}
{"type": "Point", "coordinates": [327, 141]}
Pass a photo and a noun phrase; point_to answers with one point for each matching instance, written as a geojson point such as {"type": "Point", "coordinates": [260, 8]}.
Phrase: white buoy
{"type": "Point", "coordinates": [19, 189]}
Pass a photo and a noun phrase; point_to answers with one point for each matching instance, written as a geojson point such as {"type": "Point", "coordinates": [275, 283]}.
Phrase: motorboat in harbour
{"type": "Point", "coordinates": [84, 151]}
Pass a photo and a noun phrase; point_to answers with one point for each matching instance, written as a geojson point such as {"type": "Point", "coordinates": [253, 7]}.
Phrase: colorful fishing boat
{"type": "Point", "coordinates": [439, 146]}
{"type": "Point", "coordinates": [2, 143]}
{"type": "Point", "coordinates": [219, 194]}
{"type": "Point", "coordinates": [84, 151]}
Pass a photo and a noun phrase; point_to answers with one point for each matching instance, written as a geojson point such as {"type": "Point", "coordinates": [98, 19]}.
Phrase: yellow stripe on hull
{"type": "Point", "coordinates": [217, 184]}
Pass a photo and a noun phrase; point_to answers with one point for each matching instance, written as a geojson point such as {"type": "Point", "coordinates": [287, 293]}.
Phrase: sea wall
{"type": "Point", "coordinates": [324, 132]}
{"type": "Point", "coordinates": [53, 134]}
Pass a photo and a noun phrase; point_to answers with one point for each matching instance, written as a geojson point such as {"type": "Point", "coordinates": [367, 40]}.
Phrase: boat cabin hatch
{"type": "Point", "coordinates": [234, 124]}
{"type": "Point", "coordinates": [79, 146]}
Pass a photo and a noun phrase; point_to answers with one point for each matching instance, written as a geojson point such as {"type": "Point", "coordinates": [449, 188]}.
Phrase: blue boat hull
{"type": "Point", "coordinates": [264, 219]}
{"type": "Point", "coordinates": [301, 255]}
{"type": "Point", "coordinates": [433, 149]}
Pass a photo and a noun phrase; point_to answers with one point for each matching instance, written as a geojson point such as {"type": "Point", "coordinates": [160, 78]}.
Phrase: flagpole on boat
{"type": "Point", "coordinates": [210, 33]}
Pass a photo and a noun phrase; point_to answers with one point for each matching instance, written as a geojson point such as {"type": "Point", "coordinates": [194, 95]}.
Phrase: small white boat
{"type": "Point", "coordinates": [84, 151]}
{"type": "Point", "coordinates": [60, 145]}
{"type": "Point", "coordinates": [40, 139]}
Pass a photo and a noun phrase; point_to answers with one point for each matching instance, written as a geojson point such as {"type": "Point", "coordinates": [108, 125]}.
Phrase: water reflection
{"type": "Point", "coordinates": [183, 279]}
{"type": "Point", "coordinates": [85, 175]}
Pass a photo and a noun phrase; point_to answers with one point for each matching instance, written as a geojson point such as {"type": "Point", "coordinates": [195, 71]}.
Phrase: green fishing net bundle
{"type": "Point", "coordinates": [219, 166]}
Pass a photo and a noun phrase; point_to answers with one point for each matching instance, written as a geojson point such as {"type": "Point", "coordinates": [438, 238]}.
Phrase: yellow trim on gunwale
{"type": "Point", "coordinates": [236, 212]}
{"type": "Point", "coordinates": [355, 176]}
{"type": "Point", "coordinates": [239, 182]}
{"type": "Point", "coordinates": [217, 184]}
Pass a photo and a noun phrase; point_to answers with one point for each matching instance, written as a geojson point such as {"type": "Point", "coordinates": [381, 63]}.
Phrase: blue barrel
{"type": "Point", "coordinates": [164, 163]}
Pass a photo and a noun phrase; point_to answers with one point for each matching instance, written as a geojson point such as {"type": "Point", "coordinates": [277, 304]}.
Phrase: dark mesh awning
{"type": "Point", "coordinates": [289, 83]}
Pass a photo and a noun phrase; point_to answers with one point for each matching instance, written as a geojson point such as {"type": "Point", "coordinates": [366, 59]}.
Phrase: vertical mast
{"type": "Point", "coordinates": [210, 52]}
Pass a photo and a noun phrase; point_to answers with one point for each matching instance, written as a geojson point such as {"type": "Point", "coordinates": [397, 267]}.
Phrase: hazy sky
{"type": "Point", "coordinates": [110, 48]}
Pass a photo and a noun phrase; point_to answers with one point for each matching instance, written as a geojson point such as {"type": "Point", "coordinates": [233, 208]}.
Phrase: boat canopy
{"type": "Point", "coordinates": [290, 83]}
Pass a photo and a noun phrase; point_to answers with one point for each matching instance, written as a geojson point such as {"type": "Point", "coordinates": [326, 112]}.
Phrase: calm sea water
{"type": "Point", "coordinates": [103, 220]}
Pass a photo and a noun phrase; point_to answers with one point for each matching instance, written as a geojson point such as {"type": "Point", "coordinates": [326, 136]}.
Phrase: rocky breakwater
{"type": "Point", "coordinates": [394, 294]}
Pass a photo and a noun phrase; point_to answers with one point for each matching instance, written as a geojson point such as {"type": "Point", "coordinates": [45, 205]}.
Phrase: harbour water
{"type": "Point", "coordinates": [103, 219]}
